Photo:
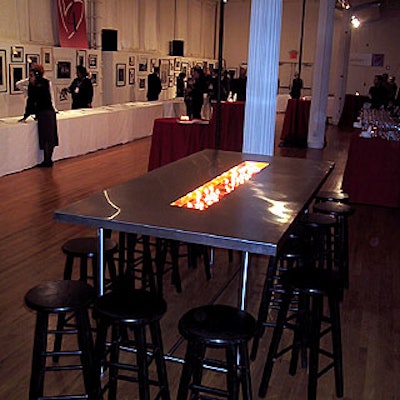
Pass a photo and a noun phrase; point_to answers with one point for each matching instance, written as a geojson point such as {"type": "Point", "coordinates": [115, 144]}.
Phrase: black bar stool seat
{"type": "Point", "coordinates": [128, 310]}
{"type": "Point", "coordinates": [55, 297]}
{"type": "Point", "coordinates": [216, 326]}
{"type": "Point", "coordinates": [335, 196]}
{"type": "Point", "coordinates": [312, 286]}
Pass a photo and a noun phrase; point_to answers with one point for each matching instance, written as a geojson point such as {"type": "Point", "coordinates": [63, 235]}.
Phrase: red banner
{"type": "Point", "coordinates": [72, 24]}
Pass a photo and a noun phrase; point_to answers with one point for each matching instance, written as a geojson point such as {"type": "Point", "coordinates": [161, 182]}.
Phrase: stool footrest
{"type": "Point", "coordinates": [66, 397]}
{"type": "Point", "coordinates": [64, 367]}
{"type": "Point", "coordinates": [210, 390]}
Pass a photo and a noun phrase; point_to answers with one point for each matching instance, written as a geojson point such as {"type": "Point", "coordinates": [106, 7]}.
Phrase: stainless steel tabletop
{"type": "Point", "coordinates": [254, 218]}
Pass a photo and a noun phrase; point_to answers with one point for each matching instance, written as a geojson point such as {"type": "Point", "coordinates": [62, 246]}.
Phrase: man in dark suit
{"type": "Point", "coordinates": [153, 85]}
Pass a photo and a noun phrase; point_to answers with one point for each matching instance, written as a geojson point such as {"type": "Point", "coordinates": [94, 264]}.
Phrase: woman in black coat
{"type": "Point", "coordinates": [39, 104]}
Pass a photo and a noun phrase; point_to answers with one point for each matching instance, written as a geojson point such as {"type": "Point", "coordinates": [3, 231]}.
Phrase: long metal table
{"type": "Point", "coordinates": [253, 219]}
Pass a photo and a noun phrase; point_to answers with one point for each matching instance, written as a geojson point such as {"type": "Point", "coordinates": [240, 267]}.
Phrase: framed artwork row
{"type": "Point", "coordinates": [120, 75]}
{"type": "Point", "coordinates": [3, 71]}
{"type": "Point", "coordinates": [16, 74]}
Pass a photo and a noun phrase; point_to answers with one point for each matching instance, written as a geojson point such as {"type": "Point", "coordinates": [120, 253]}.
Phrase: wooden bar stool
{"type": "Point", "coordinates": [319, 231]}
{"type": "Point", "coordinates": [222, 327]}
{"type": "Point", "coordinates": [312, 286]}
{"type": "Point", "coordinates": [173, 249]}
{"type": "Point", "coordinates": [135, 259]}
{"type": "Point", "coordinates": [294, 253]}
{"type": "Point", "coordinates": [126, 310]}
{"type": "Point", "coordinates": [57, 297]}
{"type": "Point", "coordinates": [85, 248]}
{"type": "Point", "coordinates": [341, 212]}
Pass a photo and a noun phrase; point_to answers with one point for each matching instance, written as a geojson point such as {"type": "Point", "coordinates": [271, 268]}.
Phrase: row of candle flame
{"type": "Point", "coordinates": [213, 191]}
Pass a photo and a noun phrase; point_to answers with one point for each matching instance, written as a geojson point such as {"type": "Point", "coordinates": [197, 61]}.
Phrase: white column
{"type": "Point", "coordinates": [319, 100]}
{"type": "Point", "coordinates": [340, 78]}
{"type": "Point", "coordinates": [262, 76]}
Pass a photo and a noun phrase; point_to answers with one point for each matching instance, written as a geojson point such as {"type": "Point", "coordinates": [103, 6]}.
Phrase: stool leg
{"type": "Point", "coordinates": [100, 346]}
{"type": "Point", "coordinates": [161, 254]}
{"type": "Point", "coordinates": [273, 348]}
{"type": "Point", "coordinates": [187, 371]}
{"type": "Point", "coordinates": [38, 357]}
{"type": "Point", "coordinates": [69, 262]}
{"type": "Point", "coordinates": [85, 340]}
{"type": "Point", "coordinates": [83, 272]}
{"type": "Point", "coordinates": [61, 320]}
{"type": "Point", "coordinates": [316, 316]}
{"type": "Point", "coordinates": [245, 371]}
{"type": "Point", "coordinates": [121, 253]}
{"type": "Point", "coordinates": [199, 356]}
{"type": "Point", "coordinates": [148, 274]}
{"type": "Point", "coordinates": [232, 374]}
{"type": "Point", "coordinates": [114, 358]}
{"type": "Point", "coordinates": [264, 306]}
{"type": "Point", "coordinates": [336, 344]}
{"type": "Point", "coordinates": [176, 278]}
{"type": "Point", "coordinates": [159, 359]}
{"type": "Point", "coordinates": [143, 372]}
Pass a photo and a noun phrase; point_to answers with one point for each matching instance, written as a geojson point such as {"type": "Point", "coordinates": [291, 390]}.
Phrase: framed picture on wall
{"type": "Point", "coordinates": [131, 76]}
{"type": "Point", "coordinates": [164, 72]}
{"type": "Point", "coordinates": [92, 61]}
{"type": "Point", "coordinates": [16, 74]}
{"type": "Point", "coordinates": [120, 74]}
{"type": "Point", "coordinates": [132, 61]}
{"type": "Point", "coordinates": [30, 60]}
{"type": "Point", "coordinates": [81, 57]}
{"type": "Point", "coordinates": [3, 71]}
{"type": "Point", "coordinates": [93, 78]}
{"type": "Point", "coordinates": [143, 61]}
{"type": "Point", "coordinates": [47, 58]}
{"type": "Point", "coordinates": [17, 54]}
{"type": "Point", "coordinates": [171, 67]}
{"type": "Point", "coordinates": [64, 70]}
{"type": "Point", "coordinates": [177, 64]}
{"type": "Point", "coordinates": [142, 83]}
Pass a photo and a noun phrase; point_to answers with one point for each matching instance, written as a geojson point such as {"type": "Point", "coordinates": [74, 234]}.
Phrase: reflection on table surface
{"type": "Point", "coordinates": [253, 218]}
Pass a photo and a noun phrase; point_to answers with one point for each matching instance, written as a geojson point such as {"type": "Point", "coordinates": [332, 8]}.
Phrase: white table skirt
{"type": "Point", "coordinates": [80, 132]}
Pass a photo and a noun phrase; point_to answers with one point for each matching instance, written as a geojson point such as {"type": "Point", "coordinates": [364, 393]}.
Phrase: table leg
{"type": "Point", "coordinates": [245, 269]}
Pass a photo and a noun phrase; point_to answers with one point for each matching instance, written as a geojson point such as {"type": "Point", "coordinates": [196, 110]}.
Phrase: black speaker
{"type": "Point", "coordinates": [109, 40]}
{"type": "Point", "coordinates": [176, 48]}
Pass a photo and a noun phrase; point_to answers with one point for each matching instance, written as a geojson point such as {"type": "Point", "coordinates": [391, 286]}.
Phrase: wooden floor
{"type": "Point", "coordinates": [30, 250]}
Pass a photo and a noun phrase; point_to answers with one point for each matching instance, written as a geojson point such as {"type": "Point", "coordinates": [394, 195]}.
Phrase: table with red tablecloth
{"type": "Point", "coordinates": [295, 124]}
{"type": "Point", "coordinates": [352, 105]}
{"type": "Point", "coordinates": [173, 139]}
{"type": "Point", "coordinates": [372, 171]}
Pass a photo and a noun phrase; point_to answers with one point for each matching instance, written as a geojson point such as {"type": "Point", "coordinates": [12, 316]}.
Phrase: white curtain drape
{"type": "Point", "coordinates": [262, 77]}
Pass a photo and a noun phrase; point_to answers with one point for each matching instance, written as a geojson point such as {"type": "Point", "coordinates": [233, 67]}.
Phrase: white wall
{"type": "Point", "coordinates": [145, 28]}
{"type": "Point", "coordinates": [378, 34]}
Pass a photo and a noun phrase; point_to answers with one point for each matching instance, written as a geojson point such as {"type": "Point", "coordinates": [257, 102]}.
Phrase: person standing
{"type": "Point", "coordinates": [39, 103]}
{"type": "Point", "coordinates": [199, 87]}
{"type": "Point", "coordinates": [154, 85]}
{"type": "Point", "coordinates": [180, 85]}
{"type": "Point", "coordinates": [81, 89]}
